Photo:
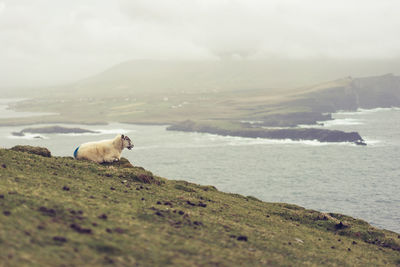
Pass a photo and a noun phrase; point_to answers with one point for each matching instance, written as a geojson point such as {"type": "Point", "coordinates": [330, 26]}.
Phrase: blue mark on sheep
{"type": "Point", "coordinates": [76, 151]}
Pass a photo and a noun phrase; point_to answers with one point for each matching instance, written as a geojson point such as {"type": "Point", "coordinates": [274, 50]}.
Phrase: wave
{"type": "Point", "coordinates": [261, 141]}
{"type": "Point", "coordinates": [371, 142]}
{"type": "Point", "coordinates": [252, 122]}
{"type": "Point", "coordinates": [338, 122]}
{"type": "Point", "coordinates": [333, 123]}
{"type": "Point", "coordinates": [286, 142]}
{"type": "Point", "coordinates": [115, 131]}
{"type": "Point", "coordinates": [366, 111]}
{"type": "Point", "coordinates": [362, 111]}
{"type": "Point", "coordinates": [100, 132]}
{"type": "Point", "coordinates": [206, 140]}
{"type": "Point", "coordinates": [244, 141]}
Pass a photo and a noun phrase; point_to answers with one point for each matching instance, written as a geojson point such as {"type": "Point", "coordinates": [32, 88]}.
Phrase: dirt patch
{"type": "Point", "coordinates": [47, 212]}
{"type": "Point", "coordinates": [200, 204]}
{"type": "Point", "coordinates": [80, 229]}
{"type": "Point", "coordinates": [103, 216]}
{"type": "Point", "coordinates": [242, 238]}
{"type": "Point", "coordinates": [60, 239]}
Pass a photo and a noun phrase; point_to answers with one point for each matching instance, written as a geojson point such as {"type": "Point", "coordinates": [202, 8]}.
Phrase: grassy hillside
{"type": "Point", "coordinates": [138, 77]}
{"type": "Point", "coordinates": [225, 74]}
{"type": "Point", "coordinates": [56, 211]}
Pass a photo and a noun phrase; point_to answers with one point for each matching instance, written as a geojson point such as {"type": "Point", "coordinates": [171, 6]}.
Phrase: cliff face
{"type": "Point", "coordinates": [59, 211]}
{"type": "Point", "coordinates": [380, 91]}
{"type": "Point", "coordinates": [366, 93]}
{"type": "Point", "coordinates": [371, 92]}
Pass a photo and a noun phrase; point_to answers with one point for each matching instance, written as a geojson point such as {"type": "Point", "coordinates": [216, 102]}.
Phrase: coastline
{"type": "Point", "coordinates": [296, 126]}
{"type": "Point", "coordinates": [172, 143]}
{"type": "Point", "coordinates": [295, 134]}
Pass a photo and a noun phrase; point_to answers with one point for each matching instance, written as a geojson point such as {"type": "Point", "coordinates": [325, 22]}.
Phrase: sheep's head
{"type": "Point", "coordinates": [126, 142]}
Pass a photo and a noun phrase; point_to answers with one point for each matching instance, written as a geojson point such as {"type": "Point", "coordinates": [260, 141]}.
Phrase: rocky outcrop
{"type": "Point", "coordinates": [52, 130]}
{"type": "Point", "coordinates": [322, 135]}
{"type": "Point", "coordinates": [41, 151]}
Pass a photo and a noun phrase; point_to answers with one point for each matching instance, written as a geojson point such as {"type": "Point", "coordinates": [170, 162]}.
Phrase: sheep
{"type": "Point", "coordinates": [105, 150]}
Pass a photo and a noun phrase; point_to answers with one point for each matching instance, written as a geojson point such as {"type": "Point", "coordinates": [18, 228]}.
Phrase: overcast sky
{"type": "Point", "coordinates": [51, 41]}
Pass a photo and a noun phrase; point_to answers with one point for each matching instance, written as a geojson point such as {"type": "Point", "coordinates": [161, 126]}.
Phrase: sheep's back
{"type": "Point", "coordinates": [95, 150]}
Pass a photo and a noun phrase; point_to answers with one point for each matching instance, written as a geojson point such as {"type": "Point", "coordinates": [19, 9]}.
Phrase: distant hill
{"type": "Point", "coordinates": [139, 77]}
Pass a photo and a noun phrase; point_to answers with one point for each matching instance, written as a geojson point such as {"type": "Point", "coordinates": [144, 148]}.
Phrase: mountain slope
{"type": "Point", "coordinates": [350, 94]}
{"type": "Point", "coordinates": [137, 77]}
{"type": "Point", "coordinates": [58, 211]}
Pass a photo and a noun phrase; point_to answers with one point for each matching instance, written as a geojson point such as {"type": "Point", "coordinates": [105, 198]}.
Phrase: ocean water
{"type": "Point", "coordinates": [360, 181]}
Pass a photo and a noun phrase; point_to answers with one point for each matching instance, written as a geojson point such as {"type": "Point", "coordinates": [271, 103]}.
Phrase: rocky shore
{"type": "Point", "coordinates": [52, 130]}
{"type": "Point", "coordinates": [321, 135]}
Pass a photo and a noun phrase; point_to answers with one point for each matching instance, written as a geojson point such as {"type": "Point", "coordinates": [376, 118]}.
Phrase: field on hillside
{"type": "Point", "coordinates": [165, 108]}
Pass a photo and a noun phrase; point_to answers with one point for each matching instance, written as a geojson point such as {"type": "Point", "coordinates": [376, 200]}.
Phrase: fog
{"type": "Point", "coordinates": [47, 42]}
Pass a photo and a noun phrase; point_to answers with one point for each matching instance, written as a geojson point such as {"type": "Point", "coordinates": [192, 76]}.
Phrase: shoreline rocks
{"type": "Point", "coordinates": [52, 130]}
{"type": "Point", "coordinates": [297, 134]}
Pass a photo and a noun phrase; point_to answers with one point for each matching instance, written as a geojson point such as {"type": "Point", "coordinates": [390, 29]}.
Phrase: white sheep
{"type": "Point", "coordinates": [105, 150]}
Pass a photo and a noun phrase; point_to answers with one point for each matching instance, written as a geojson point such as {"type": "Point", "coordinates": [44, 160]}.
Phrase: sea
{"type": "Point", "coordinates": [359, 181]}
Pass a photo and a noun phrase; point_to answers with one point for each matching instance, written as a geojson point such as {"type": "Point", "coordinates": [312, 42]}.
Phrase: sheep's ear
{"type": "Point", "coordinates": [122, 136]}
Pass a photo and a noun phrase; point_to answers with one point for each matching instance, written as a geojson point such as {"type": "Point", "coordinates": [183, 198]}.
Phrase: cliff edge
{"type": "Point", "coordinates": [59, 211]}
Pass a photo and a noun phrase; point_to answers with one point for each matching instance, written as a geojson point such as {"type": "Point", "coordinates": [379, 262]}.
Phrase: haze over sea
{"type": "Point", "coordinates": [363, 182]}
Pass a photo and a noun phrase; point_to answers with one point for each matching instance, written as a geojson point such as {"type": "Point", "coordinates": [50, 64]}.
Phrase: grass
{"type": "Point", "coordinates": [58, 211]}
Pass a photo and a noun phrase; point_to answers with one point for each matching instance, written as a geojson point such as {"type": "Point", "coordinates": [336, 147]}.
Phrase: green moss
{"type": "Point", "coordinates": [60, 211]}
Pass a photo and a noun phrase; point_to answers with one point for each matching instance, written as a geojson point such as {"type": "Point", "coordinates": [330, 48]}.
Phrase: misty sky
{"type": "Point", "coordinates": [50, 41]}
